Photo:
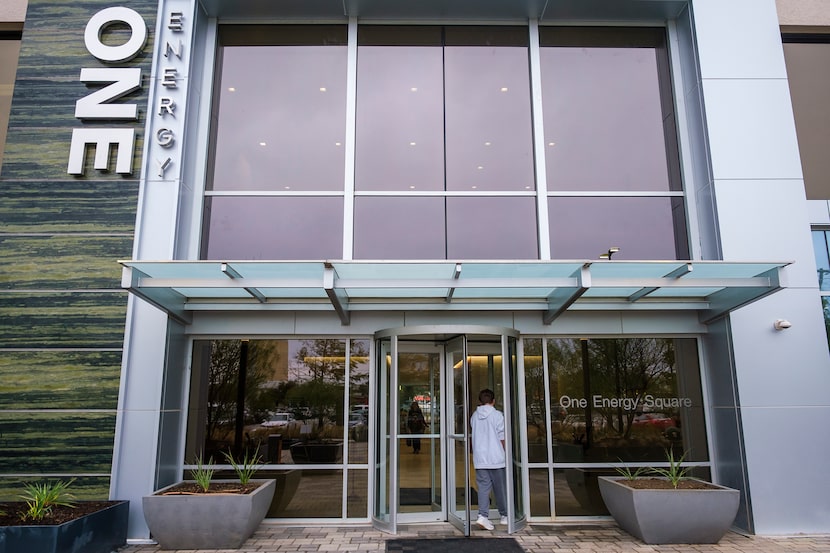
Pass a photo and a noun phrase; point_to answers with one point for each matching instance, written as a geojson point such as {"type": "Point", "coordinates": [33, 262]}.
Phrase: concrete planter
{"type": "Point", "coordinates": [671, 516]}
{"type": "Point", "coordinates": [99, 532]}
{"type": "Point", "coordinates": [206, 521]}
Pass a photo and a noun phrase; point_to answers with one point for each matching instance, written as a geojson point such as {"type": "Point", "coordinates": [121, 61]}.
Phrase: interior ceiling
{"type": "Point", "coordinates": [447, 10]}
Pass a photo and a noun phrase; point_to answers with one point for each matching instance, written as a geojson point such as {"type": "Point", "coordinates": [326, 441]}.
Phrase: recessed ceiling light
{"type": "Point", "coordinates": [551, 143]}
{"type": "Point", "coordinates": [411, 143]}
{"type": "Point", "coordinates": [337, 144]}
{"type": "Point", "coordinates": [504, 89]}
{"type": "Point", "coordinates": [231, 89]}
{"type": "Point", "coordinates": [322, 89]}
{"type": "Point", "coordinates": [263, 144]}
{"type": "Point", "coordinates": [480, 167]}
{"type": "Point", "coordinates": [414, 89]}
{"type": "Point", "coordinates": [412, 187]}
{"type": "Point", "coordinates": [487, 143]}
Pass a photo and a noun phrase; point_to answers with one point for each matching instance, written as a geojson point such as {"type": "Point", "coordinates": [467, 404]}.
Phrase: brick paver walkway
{"type": "Point", "coordinates": [537, 538]}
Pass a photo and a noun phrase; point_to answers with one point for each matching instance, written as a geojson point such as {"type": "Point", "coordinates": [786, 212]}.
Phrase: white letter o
{"type": "Point", "coordinates": [128, 50]}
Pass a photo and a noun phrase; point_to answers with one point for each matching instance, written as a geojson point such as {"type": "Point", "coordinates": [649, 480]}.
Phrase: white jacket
{"type": "Point", "coordinates": [488, 434]}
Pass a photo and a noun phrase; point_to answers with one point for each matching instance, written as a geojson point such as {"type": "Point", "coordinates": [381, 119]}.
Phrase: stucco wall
{"type": "Point", "coordinates": [803, 13]}
{"type": "Point", "coordinates": [13, 11]}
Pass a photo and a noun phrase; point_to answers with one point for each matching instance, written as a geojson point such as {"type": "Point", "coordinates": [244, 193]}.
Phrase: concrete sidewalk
{"type": "Point", "coordinates": [536, 538]}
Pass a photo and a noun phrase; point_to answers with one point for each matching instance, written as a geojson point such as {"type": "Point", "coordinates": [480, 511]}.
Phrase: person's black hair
{"type": "Point", "coordinates": [486, 396]}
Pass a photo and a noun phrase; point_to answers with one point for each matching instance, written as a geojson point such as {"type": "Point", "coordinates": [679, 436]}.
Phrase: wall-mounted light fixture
{"type": "Point", "coordinates": [611, 251]}
{"type": "Point", "coordinates": [782, 324]}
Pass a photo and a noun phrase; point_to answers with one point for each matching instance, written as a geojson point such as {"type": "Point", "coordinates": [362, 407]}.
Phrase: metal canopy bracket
{"type": "Point", "coordinates": [563, 297]}
{"type": "Point", "coordinates": [337, 296]}
{"type": "Point", "coordinates": [233, 273]}
{"type": "Point", "coordinates": [166, 299]}
{"type": "Point", "coordinates": [677, 273]}
{"type": "Point", "coordinates": [455, 276]}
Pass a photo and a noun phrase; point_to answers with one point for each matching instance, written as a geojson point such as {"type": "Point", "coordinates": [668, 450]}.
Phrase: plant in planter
{"type": "Point", "coordinates": [204, 513]}
{"type": "Point", "coordinates": [49, 520]}
{"type": "Point", "coordinates": [664, 505]}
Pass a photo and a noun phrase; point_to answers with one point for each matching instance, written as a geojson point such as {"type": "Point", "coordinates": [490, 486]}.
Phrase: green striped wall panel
{"type": "Point", "coordinates": [60, 235]}
{"type": "Point", "coordinates": [59, 379]}
{"type": "Point", "coordinates": [62, 261]}
{"type": "Point", "coordinates": [41, 153]}
{"type": "Point", "coordinates": [56, 442]}
{"type": "Point", "coordinates": [84, 488]}
{"type": "Point", "coordinates": [65, 320]}
{"type": "Point", "coordinates": [68, 206]}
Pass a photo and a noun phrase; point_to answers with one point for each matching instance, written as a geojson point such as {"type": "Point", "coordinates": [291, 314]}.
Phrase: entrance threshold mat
{"type": "Point", "coordinates": [453, 545]}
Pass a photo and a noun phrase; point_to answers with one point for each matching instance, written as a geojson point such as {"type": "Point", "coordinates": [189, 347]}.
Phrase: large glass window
{"type": "Point", "coordinates": [643, 228]}
{"type": "Point", "coordinates": [610, 137]}
{"type": "Point", "coordinates": [273, 228]}
{"type": "Point", "coordinates": [281, 111]}
{"type": "Point", "coordinates": [441, 162]}
{"type": "Point", "coordinates": [294, 402]}
{"type": "Point", "coordinates": [821, 247]}
{"type": "Point", "coordinates": [593, 402]}
{"type": "Point", "coordinates": [443, 109]}
{"type": "Point", "coordinates": [279, 143]}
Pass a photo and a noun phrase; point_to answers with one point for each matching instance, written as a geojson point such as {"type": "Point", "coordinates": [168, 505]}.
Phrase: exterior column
{"type": "Point", "coordinates": [759, 211]}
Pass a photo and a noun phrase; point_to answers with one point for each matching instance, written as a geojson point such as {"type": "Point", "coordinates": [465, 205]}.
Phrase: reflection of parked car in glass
{"type": "Point", "coordinates": [278, 420]}
{"type": "Point", "coordinates": [356, 419]}
{"type": "Point", "coordinates": [357, 426]}
{"type": "Point", "coordinates": [663, 422]}
{"type": "Point", "coordinates": [576, 423]}
{"type": "Point", "coordinates": [656, 420]}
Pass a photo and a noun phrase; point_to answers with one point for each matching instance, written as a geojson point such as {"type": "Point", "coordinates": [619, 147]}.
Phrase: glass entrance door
{"type": "Point", "coordinates": [427, 387]}
{"type": "Point", "coordinates": [458, 434]}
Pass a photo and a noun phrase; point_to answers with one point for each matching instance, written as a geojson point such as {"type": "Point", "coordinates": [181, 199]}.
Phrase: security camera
{"type": "Point", "coordinates": [781, 324]}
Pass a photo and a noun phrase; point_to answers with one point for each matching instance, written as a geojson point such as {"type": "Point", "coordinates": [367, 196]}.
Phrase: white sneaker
{"type": "Point", "coordinates": [503, 521]}
{"type": "Point", "coordinates": [485, 523]}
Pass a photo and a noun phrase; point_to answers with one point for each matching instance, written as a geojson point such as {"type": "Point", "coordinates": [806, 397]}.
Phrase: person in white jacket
{"type": "Point", "coordinates": [489, 458]}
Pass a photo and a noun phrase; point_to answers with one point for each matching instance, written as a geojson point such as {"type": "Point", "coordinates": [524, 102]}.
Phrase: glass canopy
{"type": "Point", "coordinates": [712, 288]}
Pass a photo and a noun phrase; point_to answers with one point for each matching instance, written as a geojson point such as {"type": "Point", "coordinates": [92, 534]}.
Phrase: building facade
{"type": "Point", "coordinates": [281, 228]}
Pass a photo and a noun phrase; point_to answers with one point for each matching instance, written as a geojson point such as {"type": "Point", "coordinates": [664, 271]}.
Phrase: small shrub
{"type": "Point", "coordinates": [246, 468]}
{"type": "Point", "coordinates": [203, 474]}
{"type": "Point", "coordinates": [675, 472]}
{"type": "Point", "coordinates": [40, 498]}
{"type": "Point", "coordinates": [632, 474]}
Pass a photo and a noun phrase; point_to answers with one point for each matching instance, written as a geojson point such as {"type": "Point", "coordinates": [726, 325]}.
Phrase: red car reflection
{"type": "Point", "coordinates": [662, 421]}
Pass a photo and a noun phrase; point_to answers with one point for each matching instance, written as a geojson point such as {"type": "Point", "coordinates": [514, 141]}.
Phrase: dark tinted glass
{"type": "Point", "coordinates": [273, 228]}
{"type": "Point", "coordinates": [281, 116]}
{"type": "Point", "coordinates": [643, 228]}
{"type": "Point", "coordinates": [822, 258]}
{"type": "Point", "coordinates": [608, 114]}
{"type": "Point", "coordinates": [488, 127]}
{"type": "Point", "coordinates": [622, 400]}
{"type": "Point", "coordinates": [399, 228]}
{"type": "Point", "coordinates": [455, 117]}
{"type": "Point", "coordinates": [400, 118]}
{"type": "Point", "coordinates": [491, 228]}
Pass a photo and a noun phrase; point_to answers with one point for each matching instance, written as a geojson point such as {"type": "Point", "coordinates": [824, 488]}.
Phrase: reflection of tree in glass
{"type": "Point", "coordinates": [535, 389]}
{"type": "Point", "coordinates": [359, 372]}
{"type": "Point", "coordinates": [320, 395]}
{"type": "Point", "coordinates": [630, 368]}
{"type": "Point", "coordinates": [223, 381]}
